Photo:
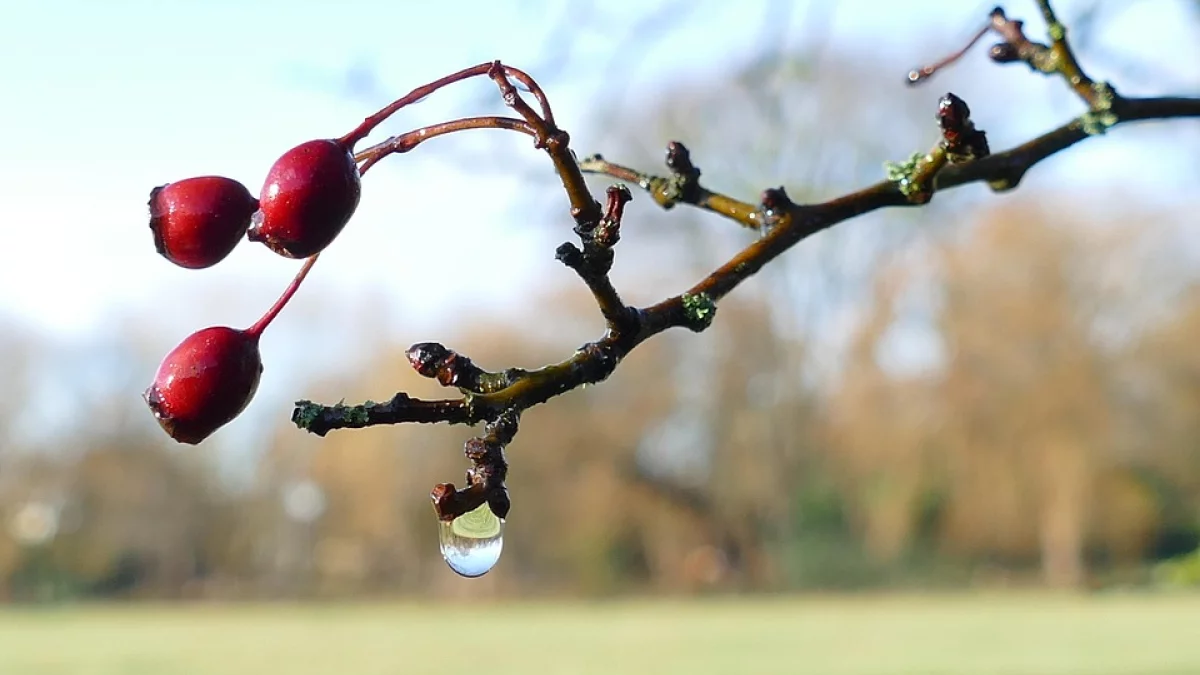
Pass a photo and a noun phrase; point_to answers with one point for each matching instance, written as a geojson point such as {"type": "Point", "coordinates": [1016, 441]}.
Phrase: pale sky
{"type": "Point", "coordinates": [101, 101]}
{"type": "Point", "coordinates": [104, 100]}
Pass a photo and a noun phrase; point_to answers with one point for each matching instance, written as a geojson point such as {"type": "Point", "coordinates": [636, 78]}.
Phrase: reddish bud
{"type": "Point", "coordinates": [196, 222]}
{"type": "Point", "coordinates": [205, 382]}
{"type": "Point", "coordinates": [309, 195]}
{"type": "Point", "coordinates": [1004, 52]}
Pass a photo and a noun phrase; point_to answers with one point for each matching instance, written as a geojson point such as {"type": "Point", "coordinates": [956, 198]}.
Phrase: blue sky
{"type": "Point", "coordinates": [105, 100]}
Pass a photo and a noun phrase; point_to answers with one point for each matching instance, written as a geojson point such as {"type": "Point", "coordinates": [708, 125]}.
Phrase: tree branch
{"type": "Point", "coordinates": [321, 419]}
{"type": "Point", "coordinates": [959, 157]}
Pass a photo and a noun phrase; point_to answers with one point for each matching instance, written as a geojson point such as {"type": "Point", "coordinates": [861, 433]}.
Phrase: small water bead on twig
{"type": "Point", "coordinates": [471, 543]}
{"type": "Point", "coordinates": [471, 520]}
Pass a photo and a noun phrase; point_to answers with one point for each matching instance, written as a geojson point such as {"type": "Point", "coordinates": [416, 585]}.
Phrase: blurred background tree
{"type": "Point", "coordinates": [986, 391]}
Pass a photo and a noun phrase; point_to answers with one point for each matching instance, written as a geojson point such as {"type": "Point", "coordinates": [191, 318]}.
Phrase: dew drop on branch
{"type": "Point", "coordinates": [471, 543]}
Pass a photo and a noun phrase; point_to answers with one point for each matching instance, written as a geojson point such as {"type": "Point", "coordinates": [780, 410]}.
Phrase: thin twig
{"type": "Point", "coordinates": [681, 186]}
{"type": "Point", "coordinates": [960, 157]}
{"type": "Point", "coordinates": [407, 141]}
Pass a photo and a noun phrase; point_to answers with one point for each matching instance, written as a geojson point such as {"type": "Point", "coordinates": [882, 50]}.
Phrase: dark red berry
{"type": "Point", "coordinates": [196, 222]}
{"type": "Point", "coordinates": [205, 382]}
{"type": "Point", "coordinates": [309, 195]}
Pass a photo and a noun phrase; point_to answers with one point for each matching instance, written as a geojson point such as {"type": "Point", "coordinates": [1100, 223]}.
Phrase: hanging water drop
{"type": "Point", "coordinates": [471, 543]}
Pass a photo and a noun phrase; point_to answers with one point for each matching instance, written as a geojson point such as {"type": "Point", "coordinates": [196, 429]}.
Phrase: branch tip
{"type": "Point", "coordinates": [679, 159]}
{"type": "Point", "coordinates": [961, 141]}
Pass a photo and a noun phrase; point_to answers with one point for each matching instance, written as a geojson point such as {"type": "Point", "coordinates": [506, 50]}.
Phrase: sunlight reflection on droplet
{"type": "Point", "coordinates": [471, 543]}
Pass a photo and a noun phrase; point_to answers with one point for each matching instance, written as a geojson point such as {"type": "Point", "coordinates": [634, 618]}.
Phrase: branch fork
{"type": "Point", "coordinates": [960, 156]}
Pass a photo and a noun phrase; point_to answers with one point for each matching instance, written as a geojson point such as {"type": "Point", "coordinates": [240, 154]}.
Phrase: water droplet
{"type": "Point", "coordinates": [471, 543]}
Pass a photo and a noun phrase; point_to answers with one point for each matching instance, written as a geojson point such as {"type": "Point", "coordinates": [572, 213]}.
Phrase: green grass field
{"type": "Point", "coordinates": [956, 635]}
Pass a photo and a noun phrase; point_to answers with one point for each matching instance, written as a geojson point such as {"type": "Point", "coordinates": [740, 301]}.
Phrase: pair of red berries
{"type": "Point", "coordinates": [309, 195]}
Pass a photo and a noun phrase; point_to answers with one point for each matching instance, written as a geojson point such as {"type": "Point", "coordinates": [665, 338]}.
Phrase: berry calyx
{"type": "Point", "coordinates": [196, 222]}
{"type": "Point", "coordinates": [209, 378]}
{"type": "Point", "coordinates": [309, 195]}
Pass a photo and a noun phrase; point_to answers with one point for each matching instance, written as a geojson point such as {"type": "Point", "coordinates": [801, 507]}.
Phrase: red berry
{"type": "Point", "coordinates": [205, 382]}
{"type": "Point", "coordinates": [309, 195]}
{"type": "Point", "coordinates": [196, 222]}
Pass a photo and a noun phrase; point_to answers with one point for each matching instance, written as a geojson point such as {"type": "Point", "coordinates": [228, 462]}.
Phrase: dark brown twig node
{"type": "Point", "coordinates": [485, 478]}
{"type": "Point", "coordinates": [960, 139]}
{"type": "Point", "coordinates": [960, 143]}
{"type": "Point", "coordinates": [684, 182]}
{"type": "Point", "coordinates": [593, 261]}
{"type": "Point", "coordinates": [774, 206]}
{"type": "Point", "coordinates": [608, 232]}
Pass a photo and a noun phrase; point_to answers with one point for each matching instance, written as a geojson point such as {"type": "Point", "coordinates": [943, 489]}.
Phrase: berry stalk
{"type": "Point", "coordinates": [407, 141]}
{"type": "Point", "coordinates": [368, 125]}
{"type": "Point", "coordinates": [416, 95]}
{"type": "Point", "coordinates": [259, 326]}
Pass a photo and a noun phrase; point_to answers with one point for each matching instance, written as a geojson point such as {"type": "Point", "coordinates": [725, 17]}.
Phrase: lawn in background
{"type": "Point", "coordinates": [925, 635]}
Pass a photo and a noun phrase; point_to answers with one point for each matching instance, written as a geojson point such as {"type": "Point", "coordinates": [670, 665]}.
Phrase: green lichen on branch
{"type": "Point", "coordinates": [307, 412]}
{"type": "Point", "coordinates": [699, 309]}
{"type": "Point", "coordinates": [901, 173]}
{"type": "Point", "coordinates": [914, 176]}
{"type": "Point", "coordinates": [1101, 117]}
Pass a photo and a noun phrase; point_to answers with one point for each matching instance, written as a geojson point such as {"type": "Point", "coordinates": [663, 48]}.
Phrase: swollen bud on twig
{"type": "Point", "coordinates": [774, 200]}
{"type": "Point", "coordinates": [1004, 52]}
{"type": "Point", "coordinates": [960, 139]}
{"type": "Point", "coordinates": [774, 206]}
{"type": "Point", "coordinates": [431, 359]}
{"type": "Point", "coordinates": [953, 112]}
{"type": "Point", "coordinates": [679, 159]}
{"type": "Point", "coordinates": [608, 232]}
{"type": "Point", "coordinates": [451, 369]}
